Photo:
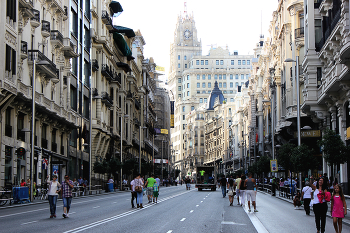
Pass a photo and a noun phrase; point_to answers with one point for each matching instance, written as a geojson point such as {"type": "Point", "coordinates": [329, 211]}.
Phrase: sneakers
{"type": "Point", "coordinates": [54, 215]}
{"type": "Point", "coordinates": [256, 211]}
{"type": "Point", "coordinates": [51, 216]}
{"type": "Point", "coordinates": [249, 210]}
{"type": "Point", "coordinates": [64, 215]}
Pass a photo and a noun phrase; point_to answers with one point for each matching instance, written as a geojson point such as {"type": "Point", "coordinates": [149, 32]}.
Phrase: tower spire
{"type": "Point", "coordinates": [185, 8]}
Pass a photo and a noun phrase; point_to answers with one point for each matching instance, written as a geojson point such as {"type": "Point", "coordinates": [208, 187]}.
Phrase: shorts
{"type": "Point", "coordinates": [155, 193]}
{"type": "Point", "coordinates": [251, 195]}
{"type": "Point", "coordinates": [149, 191]}
{"type": "Point", "coordinates": [188, 185]}
{"type": "Point", "coordinates": [238, 193]}
{"type": "Point", "coordinates": [67, 201]}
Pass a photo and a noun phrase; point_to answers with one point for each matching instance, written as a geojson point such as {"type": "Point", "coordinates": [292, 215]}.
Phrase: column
{"type": "Point", "coordinates": [261, 122]}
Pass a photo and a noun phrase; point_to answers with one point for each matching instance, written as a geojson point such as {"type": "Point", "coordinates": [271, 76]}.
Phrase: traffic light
{"type": "Point", "coordinates": [21, 152]}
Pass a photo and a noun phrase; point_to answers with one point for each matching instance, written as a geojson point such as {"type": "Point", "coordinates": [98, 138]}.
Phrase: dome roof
{"type": "Point", "coordinates": [215, 96]}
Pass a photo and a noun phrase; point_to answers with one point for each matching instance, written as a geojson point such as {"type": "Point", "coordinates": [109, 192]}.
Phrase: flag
{"type": "Point", "coordinates": [45, 163]}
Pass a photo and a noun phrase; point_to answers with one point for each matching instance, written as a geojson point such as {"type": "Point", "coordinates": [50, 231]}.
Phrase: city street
{"type": "Point", "coordinates": [177, 210]}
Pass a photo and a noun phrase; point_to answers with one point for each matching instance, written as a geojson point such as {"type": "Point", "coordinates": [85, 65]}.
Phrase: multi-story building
{"type": "Point", "coordinates": [192, 77]}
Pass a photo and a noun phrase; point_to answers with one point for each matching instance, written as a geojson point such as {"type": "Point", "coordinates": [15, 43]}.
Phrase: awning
{"type": "Point", "coordinates": [120, 29]}
{"type": "Point", "coordinates": [124, 66]}
{"type": "Point", "coordinates": [122, 45]}
{"type": "Point", "coordinates": [116, 7]}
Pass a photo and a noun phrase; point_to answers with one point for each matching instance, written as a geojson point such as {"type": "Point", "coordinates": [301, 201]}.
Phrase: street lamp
{"type": "Point", "coordinates": [140, 148]}
{"type": "Point", "coordinates": [298, 94]}
{"type": "Point", "coordinates": [43, 62]}
{"type": "Point", "coordinates": [121, 150]}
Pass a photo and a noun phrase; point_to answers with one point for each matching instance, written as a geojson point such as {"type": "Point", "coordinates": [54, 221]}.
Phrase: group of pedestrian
{"type": "Point", "coordinates": [137, 186]}
{"type": "Point", "coordinates": [241, 187]}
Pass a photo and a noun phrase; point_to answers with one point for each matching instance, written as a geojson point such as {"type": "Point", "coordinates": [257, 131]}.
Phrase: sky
{"type": "Point", "coordinates": [233, 23]}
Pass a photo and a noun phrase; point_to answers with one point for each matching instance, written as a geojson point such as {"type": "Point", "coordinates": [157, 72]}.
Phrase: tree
{"type": "Point", "coordinates": [130, 166]}
{"type": "Point", "coordinates": [263, 165]}
{"type": "Point", "coordinates": [302, 158]}
{"type": "Point", "coordinates": [101, 167]}
{"type": "Point", "coordinates": [114, 166]}
{"type": "Point", "coordinates": [284, 156]}
{"type": "Point", "coordinates": [253, 168]}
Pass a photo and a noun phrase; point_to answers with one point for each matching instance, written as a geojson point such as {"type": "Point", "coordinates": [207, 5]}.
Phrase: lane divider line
{"type": "Point", "coordinates": [28, 223]}
{"type": "Point", "coordinates": [183, 219]}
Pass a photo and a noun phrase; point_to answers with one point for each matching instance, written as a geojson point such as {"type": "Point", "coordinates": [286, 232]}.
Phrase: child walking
{"type": "Point", "coordinates": [338, 208]}
{"type": "Point", "coordinates": [155, 192]}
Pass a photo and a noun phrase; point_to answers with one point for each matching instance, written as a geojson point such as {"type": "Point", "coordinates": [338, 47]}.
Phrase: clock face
{"type": "Point", "coordinates": [187, 34]}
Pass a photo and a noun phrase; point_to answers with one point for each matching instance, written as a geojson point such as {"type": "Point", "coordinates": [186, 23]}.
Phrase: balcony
{"type": "Point", "coordinates": [50, 70]}
{"type": "Point", "coordinates": [106, 72]}
{"type": "Point", "coordinates": [117, 78]}
{"type": "Point", "coordinates": [69, 48]}
{"type": "Point", "coordinates": [94, 92]}
{"type": "Point", "coordinates": [44, 143]}
{"type": "Point", "coordinates": [106, 19]}
{"type": "Point", "coordinates": [56, 38]}
{"type": "Point", "coordinates": [8, 130]}
{"type": "Point", "coordinates": [24, 49]}
{"type": "Point", "coordinates": [106, 99]}
{"type": "Point", "coordinates": [35, 20]}
{"type": "Point", "coordinates": [299, 33]}
{"type": "Point", "coordinates": [45, 28]}
{"type": "Point", "coordinates": [94, 65]}
{"type": "Point", "coordinates": [27, 4]}
{"type": "Point", "coordinates": [54, 147]}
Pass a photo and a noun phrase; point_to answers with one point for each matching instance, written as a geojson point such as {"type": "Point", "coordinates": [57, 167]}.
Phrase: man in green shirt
{"type": "Point", "coordinates": [202, 174]}
{"type": "Point", "coordinates": [149, 185]}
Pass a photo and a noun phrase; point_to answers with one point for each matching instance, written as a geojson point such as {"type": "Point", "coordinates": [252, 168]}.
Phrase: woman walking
{"type": "Point", "coordinates": [320, 197]}
{"type": "Point", "coordinates": [139, 190]}
{"type": "Point", "coordinates": [54, 189]}
{"type": "Point", "coordinates": [231, 190]}
{"type": "Point", "coordinates": [338, 208]}
{"type": "Point", "coordinates": [306, 197]}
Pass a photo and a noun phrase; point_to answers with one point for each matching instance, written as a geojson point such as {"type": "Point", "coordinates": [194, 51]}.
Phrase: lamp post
{"type": "Point", "coordinates": [121, 150]}
{"type": "Point", "coordinates": [33, 123]}
{"type": "Point", "coordinates": [140, 148]}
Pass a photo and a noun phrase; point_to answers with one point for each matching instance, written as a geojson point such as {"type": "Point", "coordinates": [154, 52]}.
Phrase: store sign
{"type": "Point", "coordinates": [309, 134]}
{"type": "Point", "coordinates": [273, 165]}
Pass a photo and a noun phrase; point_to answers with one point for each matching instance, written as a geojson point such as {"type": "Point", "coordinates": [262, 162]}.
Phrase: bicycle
{"type": "Point", "coordinates": [4, 197]}
{"type": "Point", "coordinates": [42, 195]}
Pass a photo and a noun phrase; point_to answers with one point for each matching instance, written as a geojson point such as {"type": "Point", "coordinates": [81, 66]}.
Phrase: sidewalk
{"type": "Point", "coordinates": [346, 220]}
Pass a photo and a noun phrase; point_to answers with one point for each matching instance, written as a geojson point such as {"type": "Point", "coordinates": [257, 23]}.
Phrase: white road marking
{"type": "Point", "coordinates": [72, 213]}
{"type": "Point", "coordinates": [232, 223]}
{"type": "Point", "coordinates": [197, 205]}
{"type": "Point", "coordinates": [256, 222]}
{"type": "Point", "coordinates": [170, 231]}
{"type": "Point", "coordinates": [115, 202]}
{"type": "Point", "coordinates": [96, 207]}
{"type": "Point", "coordinates": [28, 222]}
{"type": "Point", "coordinates": [201, 201]}
{"type": "Point", "coordinates": [191, 211]}
{"type": "Point", "coordinates": [183, 219]}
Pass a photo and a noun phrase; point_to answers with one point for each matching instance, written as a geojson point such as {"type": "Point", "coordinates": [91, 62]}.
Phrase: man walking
{"type": "Point", "coordinates": [133, 193]}
{"type": "Point", "coordinates": [149, 185]}
{"type": "Point", "coordinates": [238, 182]}
{"type": "Point", "coordinates": [223, 186]}
{"type": "Point", "coordinates": [251, 193]}
{"type": "Point", "coordinates": [67, 187]}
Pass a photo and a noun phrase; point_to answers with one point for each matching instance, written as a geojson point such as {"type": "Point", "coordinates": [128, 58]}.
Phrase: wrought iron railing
{"type": "Point", "coordinates": [45, 26]}
{"type": "Point", "coordinates": [94, 65]}
{"type": "Point", "coordinates": [24, 47]}
{"type": "Point", "coordinates": [299, 32]}
{"type": "Point", "coordinates": [56, 35]}
{"type": "Point", "coordinates": [36, 16]}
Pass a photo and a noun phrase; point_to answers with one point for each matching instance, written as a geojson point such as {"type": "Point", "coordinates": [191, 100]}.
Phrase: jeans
{"type": "Point", "coordinates": [223, 189]}
{"type": "Point", "coordinates": [307, 205]}
{"type": "Point", "coordinates": [133, 196]}
{"type": "Point", "coordinates": [66, 202]}
{"type": "Point", "coordinates": [139, 197]}
{"type": "Point", "coordinates": [52, 202]}
{"type": "Point", "coordinates": [320, 211]}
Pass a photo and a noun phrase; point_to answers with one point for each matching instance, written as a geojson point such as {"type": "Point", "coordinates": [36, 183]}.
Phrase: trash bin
{"type": "Point", "coordinates": [110, 187]}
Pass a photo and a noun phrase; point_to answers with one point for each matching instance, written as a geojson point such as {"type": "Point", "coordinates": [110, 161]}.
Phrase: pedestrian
{"type": "Point", "coordinates": [188, 183]}
{"type": "Point", "coordinates": [80, 181]}
{"type": "Point", "coordinates": [155, 191]}
{"type": "Point", "coordinates": [54, 189]}
{"type": "Point", "coordinates": [149, 185]}
{"type": "Point", "coordinates": [110, 181]}
{"type": "Point", "coordinates": [231, 190]}
{"type": "Point", "coordinates": [223, 186]}
{"type": "Point", "coordinates": [67, 187]}
{"type": "Point", "coordinates": [306, 197]}
{"type": "Point", "coordinates": [23, 183]}
{"type": "Point", "coordinates": [238, 183]}
{"type": "Point", "coordinates": [251, 188]}
{"type": "Point", "coordinates": [338, 208]}
{"type": "Point", "coordinates": [138, 182]}
{"type": "Point", "coordinates": [158, 181]}
{"type": "Point", "coordinates": [133, 193]}
{"type": "Point", "coordinates": [297, 201]}
{"type": "Point", "coordinates": [320, 204]}
{"type": "Point", "coordinates": [242, 189]}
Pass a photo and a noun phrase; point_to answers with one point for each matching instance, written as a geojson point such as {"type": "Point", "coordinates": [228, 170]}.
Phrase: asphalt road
{"type": "Point", "coordinates": [177, 210]}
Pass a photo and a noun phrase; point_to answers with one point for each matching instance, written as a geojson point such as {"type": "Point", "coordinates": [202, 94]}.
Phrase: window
{"type": "Point", "coordinates": [192, 108]}
{"type": "Point", "coordinates": [188, 77]}
{"type": "Point", "coordinates": [247, 76]}
{"type": "Point", "coordinates": [200, 100]}
{"type": "Point", "coordinates": [217, 62]}
{"type": "Point", "coordinates": [203, 77]}
{"type": "Point", "coordinates": [209, 92]}
{"type": "Point", "coordinates": [20, 126]}
{"type": "Point", "coordinates": [178, 65]}
{"type": "Point", "coordinates": [86, 112]}
{"type": "Point", "coordinates": [232, 62]}
{"type": "Point", "coordinates": [231, 84]}
{"type": "Point", "coordinates": [206, 62]}
{"type": "Point", "coordinates": [179, 96]}
{"type": "Point", "coordinates": [239, 62]}
{"type": "Point", "coordinates": [205, 100]}
{"type": "Point", "coordinates": [197, 62]}
{"type": "Point", "coordinates": [248, 62]}
{"type": "Point", "coordinates": [8, 161]}
{"type": "Point", "coordinates": [202, 62]}
{"type": "Point", "coordinates": [87, 40]}
{"type": "Point", "coordinates": [179, 88]}
{"type": "Point", "coordinates": [198, 92]}
{"type": "Point", "coordinates": [231, 76]}
{"type": "Point", "coordinates": [188, 85]}
{"type": "Point", "coordinates": [220, 85]}
{"type": "Point", "coordinates": [73, 98]}
{"type": "Point", "coordinates": [224, 76]}
{"type": "Point", "coordinates": [198, 85]}
{"type": "Point", "coordinates": [242, 84]}
{"type": "Point", "coordinates": [203, 92]}
{"type": "Point", "coordinates": [224, 85]}
{"type": "Point", "coordinates": [221, 62]}
{"type": "Point", "coordinates": [242, 76]}
{"type": "Point", "coordinates": [220, 76]}
{"type": "Point", "coordinates": [185, 57]}
{"type": "Point", "coordinates": [236, 76]}
{"type": "Point", "coordinates": [225, 99]}
{"type": "Point", "coordinates": [179, 80]}
{"type": "Point", "coordinates": [183, 108]}
{"type": "Point", "coordinates": [319, 76]}
{"type": "Point", "coordinates": [216, 76]}
{"type": "Point", "coordinates": [231, 100]}
{"type": "Point", "coordinates": [188, 93]}
{"type": "Point", "coordinates": [209, 76]}
{"type": "Point", "coordinates": [198, 77]}
{"type": "Point", "coordinates": [209, 85]}
{"type": "Point", "coordinates": [243, 62]}
{"type": "Point", "coordinates": [11, 10]}
{"type": "Point", "coordinates": [10, 65]}
{"type": "Point", "coordinates": [203, 85]}
{"type": "Point", "coordinates": [74, 24]}
{"type": "Point", "coordinates": [178, 57]}
{"type": "Point", "coordinates": [87, 73]}
{"type": "Point", "coordinates": [236, 84]}
{"type": "Point", "coordinates": [73, 138]}
{"type": "Point", "coordinates": [185, 66]}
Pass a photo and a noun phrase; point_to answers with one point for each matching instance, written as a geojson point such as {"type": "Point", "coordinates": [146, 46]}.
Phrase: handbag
{"type": "Point", "coordinates": [138, 189]}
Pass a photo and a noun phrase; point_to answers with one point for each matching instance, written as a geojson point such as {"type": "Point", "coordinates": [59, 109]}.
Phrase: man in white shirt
{"type": "Point", "coordinates": [133, 193]}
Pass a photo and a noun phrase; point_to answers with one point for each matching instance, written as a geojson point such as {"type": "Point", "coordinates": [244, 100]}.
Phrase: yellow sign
{"type": "Point", "coordinates": [159, 68]}
{"type": "Point", "coordinates": [273, 165]}
{"type": "Point", "coordinates": [172, 121]}
{"type": "Point", "coordinates": [348, 133]}
{"type": "Point", "coordinates": [309, 134]}
{"type": "Point", "coordinates": [163, 131]}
